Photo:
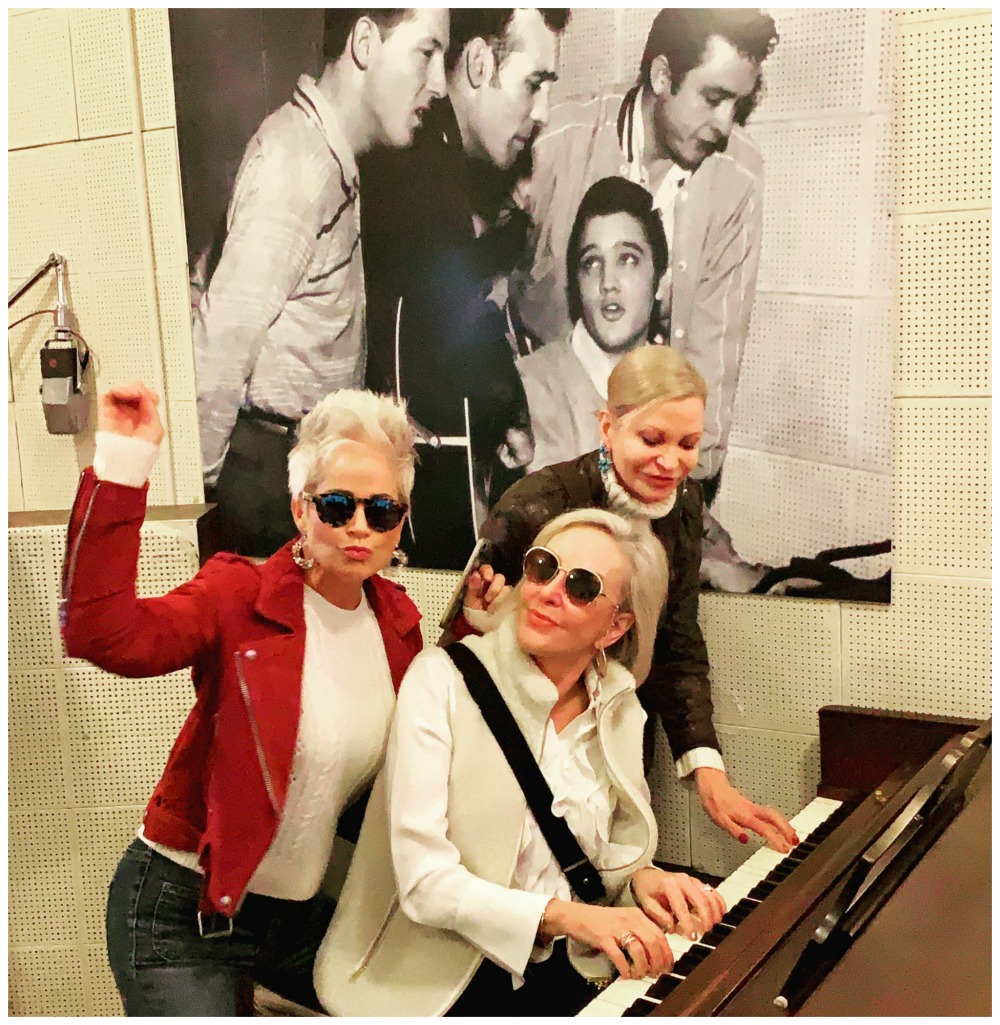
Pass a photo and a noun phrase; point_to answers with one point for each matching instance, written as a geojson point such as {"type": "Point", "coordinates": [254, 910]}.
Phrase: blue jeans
{"type": "Point", "coordinates": [163, 967]}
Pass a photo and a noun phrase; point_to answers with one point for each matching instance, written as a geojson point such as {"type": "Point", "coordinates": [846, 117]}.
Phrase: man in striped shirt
{"type": "Point", "coordinates": [676, 133]}
{"type": "Point", "coordinates": [281, 323]}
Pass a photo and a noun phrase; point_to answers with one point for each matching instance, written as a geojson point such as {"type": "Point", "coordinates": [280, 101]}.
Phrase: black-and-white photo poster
{"type": "Point", "coordinates": [487, 212]}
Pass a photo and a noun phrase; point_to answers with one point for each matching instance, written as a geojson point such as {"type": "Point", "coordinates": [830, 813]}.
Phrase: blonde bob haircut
{"type": "Point", "coordinates": [645, 580]}
{"type": "Point", "coordinates": [652, 373]}
{"type": "Point", "coordinates": [350, 415]}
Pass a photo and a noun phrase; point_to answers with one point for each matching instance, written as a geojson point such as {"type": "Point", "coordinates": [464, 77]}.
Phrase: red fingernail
{"type": "Point", "coordinates": [744, 838]}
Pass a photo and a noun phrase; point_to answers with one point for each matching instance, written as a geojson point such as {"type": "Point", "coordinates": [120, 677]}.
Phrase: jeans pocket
{"type": "Point", "coordinates": [174, 929]}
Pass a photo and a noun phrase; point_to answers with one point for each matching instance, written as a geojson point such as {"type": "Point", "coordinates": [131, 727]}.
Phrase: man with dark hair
{"type": "Point", "coordinates": [441, 230]}
{"type": "Point", "coordinates": [281, 323]}
{"type": "Point", "coordinates": [678, 132]}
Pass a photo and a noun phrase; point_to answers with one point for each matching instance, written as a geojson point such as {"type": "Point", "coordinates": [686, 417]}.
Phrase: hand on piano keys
{"type": "Point", "coordinates": [743, 891]}
{"type": "Point", "coordinates": [676, 901]}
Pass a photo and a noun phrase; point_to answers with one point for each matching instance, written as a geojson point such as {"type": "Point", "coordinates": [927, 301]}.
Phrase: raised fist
{"type": "Point", "coordinates": [130, 410]}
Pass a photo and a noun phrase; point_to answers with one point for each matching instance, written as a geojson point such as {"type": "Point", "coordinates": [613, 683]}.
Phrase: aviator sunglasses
{"type": "Point", "coordinates": [583, 586]}
{"type": "Point", "coordinates": [336, 509]}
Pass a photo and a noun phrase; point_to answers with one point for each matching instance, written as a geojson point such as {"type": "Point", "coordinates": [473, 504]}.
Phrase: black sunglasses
{"type": "Point", "coordinates": [336, 509]}
{"type": "Point", "coordinates": [583, 586]}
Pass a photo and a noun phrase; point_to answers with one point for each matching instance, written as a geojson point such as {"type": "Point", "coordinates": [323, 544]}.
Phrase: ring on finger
{"type": "Point", "coordinates": [707, 889]}
{"type": "Point", "coordinates": [626, 938]}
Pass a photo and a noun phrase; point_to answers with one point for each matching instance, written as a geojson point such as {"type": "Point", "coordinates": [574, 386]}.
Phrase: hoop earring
{"type": "Point", "coordinates": [601, 663]}
{"type": "Point", "coordinates": [298, 557]}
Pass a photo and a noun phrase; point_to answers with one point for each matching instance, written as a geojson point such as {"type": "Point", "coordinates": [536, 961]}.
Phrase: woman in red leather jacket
{"type": "Point", "coordinates": [295, 663]}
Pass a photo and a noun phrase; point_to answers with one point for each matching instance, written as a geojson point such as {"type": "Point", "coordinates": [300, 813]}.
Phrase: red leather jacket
{"type": "Point", "coordinates": [241, 628]}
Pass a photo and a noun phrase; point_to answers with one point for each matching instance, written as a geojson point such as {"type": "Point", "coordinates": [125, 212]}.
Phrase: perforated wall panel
{"type": "Point", "coordinates": [156, 75]}
{"type": "Point", "coordinates": [165, 207]}
{"type": "Point", "coordinates": [945, 327]}
{"type": "Point", "coordinates": [430, 590]}
{"type": "Point", "coordinates": [101, 993]}
{"type": "Point", "coordinates": [37, 773]}
{"type": "Point", "coordinates": [47, 981]}
{"type": "Point", "coordinates": [634, 24]}
{"type": "Point", "coordinates": [15, 496]}
{"type": "Point", "coordinates": [927, 652]}
{"type": "Point", "coordinates": [771, 767]}
{"type": "Point", "coordinates": [787, 507]}
{"type": "Point", "coordinates": [671, 806]}
{"type": "Point", "coordinates": [42, 108]}
{"type": "Point", "coordinates": [944, 139]}
{"type": "Point", "coordinates": [44, 211]}
{"type": "Point", "coordinates": [33, 601]}
{"type": "Point", "coordinates": [43, 904]}
{"type": "Point", "coordinates": [111, 204]}
{"type": "Point", "coordinates": [587, 58]}
{"type": "Point", "coordinates": [817, 180]}
{"type": "Point", "coordinates": [943, 486]}
{"type": "Point", "coordinates": [185, 449]}
{"type": "Point", "coordinates": [774, 660]}
{"type": "Point", "coordinates": [103, 90]}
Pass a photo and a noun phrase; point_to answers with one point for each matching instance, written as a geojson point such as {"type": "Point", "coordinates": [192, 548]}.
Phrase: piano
{"type": "Point", "coordinates": [854, 920]}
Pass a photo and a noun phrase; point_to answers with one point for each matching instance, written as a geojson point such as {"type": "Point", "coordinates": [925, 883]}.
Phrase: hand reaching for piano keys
{"type": "Point", "coordinates": [636, 946]}
{"type": "Point", "coordinates": [734, 813]}
{"type": "Point", "coordinates": [677, 902]}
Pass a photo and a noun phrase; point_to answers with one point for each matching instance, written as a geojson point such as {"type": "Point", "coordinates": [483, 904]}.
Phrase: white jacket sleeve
{"type": "Point", "coordinates": [435, 889]}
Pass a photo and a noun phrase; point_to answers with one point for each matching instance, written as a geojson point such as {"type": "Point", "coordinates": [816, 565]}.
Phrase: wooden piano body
{"type": "Point", "coordinates": [921, 942]}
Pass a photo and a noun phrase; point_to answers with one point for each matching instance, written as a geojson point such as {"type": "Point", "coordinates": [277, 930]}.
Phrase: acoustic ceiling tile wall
{"type": "Point", "coordinates": [36, 767]}
{"type": "Point", "coordinates": [774, 660]}
{"type": "Point", "coordinates": [42, 867]}
{"type": "Point", "coordinates": [430, 590]}
{"type": "Point", "coordinates": [174, 306]}
{"type": "Point", "coordinates": [165, 207]}
{"type": "Point", "coordinates": [818, 65]}
{"type": "Point", "coordinates": [101, 993]}
{"type": "Point", "coordinates": [777, 508]}
{"type": "Point", "coordinates": [943, 471]}
{"type": "Point", "coordinates": [927, 652]}
{"type": "Point", "coordinates": [945, 304]}
{"type": "Point", "coordinates": [772, 768]}
{"type": "Point", "coordinates": [819, 182]}
{"type": "Point", "coordinates": [156, 74]}
{"type": "Point", "coordinates": [47, 981]}
{"type": "Point", "coordinates": [15, 494]}
{"type": "Point", "coordinates": [43, 212]}
{"type": "Point", "coordinates": [104, 94]}
{"type": "Point", "coordinates": [587, 59]}
{"type": "Point", "coordinates": [33, 601]}
{"type": "Point", "coordinates": [41, 106]}
{"type": "Point", "coordinates": [944, 123]}
{"type": "Point", "coordinates": [670, 799]}
{"type": "Point", "coordinates": [111, 208]}
{"type": "Point", "coordinates": [185, 448]}
{"type": "Point", "coordinates": [107, 715]}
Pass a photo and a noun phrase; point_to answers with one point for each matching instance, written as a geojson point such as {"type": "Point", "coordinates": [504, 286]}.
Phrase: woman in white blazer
{"type": "Point", "coordinates": [454, 902]}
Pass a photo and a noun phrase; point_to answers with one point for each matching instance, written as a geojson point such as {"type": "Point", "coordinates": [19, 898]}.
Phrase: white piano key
{"type": "Point", "coordinates": [622, 993]}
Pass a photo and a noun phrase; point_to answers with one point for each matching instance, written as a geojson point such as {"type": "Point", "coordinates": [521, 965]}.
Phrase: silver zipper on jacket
{"type": "Point", "coordinates": [67, 589]}
{"type": "Point", "coordinates": [375, 943]}
{"type": "Point", "coordinates": [238, 658]}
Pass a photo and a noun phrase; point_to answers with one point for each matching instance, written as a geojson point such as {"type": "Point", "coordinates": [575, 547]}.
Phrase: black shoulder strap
{"type": "Point", "coordinates": [584, 879]}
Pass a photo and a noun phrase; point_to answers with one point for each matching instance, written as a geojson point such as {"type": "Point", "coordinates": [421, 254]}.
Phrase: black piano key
{"type": "Point", "coordinates": [761, 890]}
{"type": "Point", "coordinates": [697, 953]}
{"type": "Point", "coordinates": [717, 935]}
{"type": "Point", "coordinates": [663, 987]}
{"type": "Point", "coordinates": [640, 1009]}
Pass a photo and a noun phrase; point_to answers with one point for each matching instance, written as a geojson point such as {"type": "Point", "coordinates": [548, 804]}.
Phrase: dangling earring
{"type": "Point", "coordinates": [603, 459]}
{"type": "Point", "coordinates": [301, 560]}
{"type": "Point", "coordinates": [601, 663]}
{"type": "Point", "coordinates": [399, 559]}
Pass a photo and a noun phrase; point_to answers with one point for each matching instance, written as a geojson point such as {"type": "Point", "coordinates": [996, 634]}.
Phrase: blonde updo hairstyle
{"type": "Point", "coordinates": [351, 415]}
{"type": "Point", "coordinates": [646, 579]}
{"type": "Point", "coordinates": [652, 373]}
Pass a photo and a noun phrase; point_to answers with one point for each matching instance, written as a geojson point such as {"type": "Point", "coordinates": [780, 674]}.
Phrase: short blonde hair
{"type": "Point", "coordinates": [645, 583]}
{"type": "Point", "coordinates": [652, 373]}
{"type": "Point", "coordinates": [351, 415]}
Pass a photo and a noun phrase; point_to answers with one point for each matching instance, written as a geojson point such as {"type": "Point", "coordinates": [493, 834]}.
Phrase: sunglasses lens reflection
{"type": "Point", "coordinates": [582, 585]}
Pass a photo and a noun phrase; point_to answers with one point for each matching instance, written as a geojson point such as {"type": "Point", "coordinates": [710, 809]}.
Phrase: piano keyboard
{"type": "Point", "coordinates": [742, 892]}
